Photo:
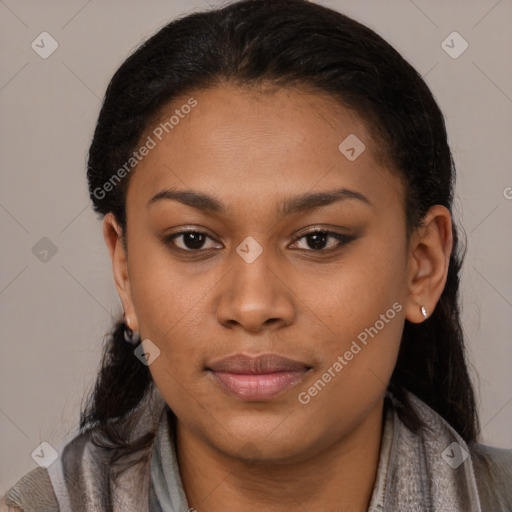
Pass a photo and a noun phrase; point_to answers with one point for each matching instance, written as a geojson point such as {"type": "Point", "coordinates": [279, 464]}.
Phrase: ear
{"type": "Point", "coordinates": [114, 237]}
{"type": "Point", "coordinates": [430, 248]}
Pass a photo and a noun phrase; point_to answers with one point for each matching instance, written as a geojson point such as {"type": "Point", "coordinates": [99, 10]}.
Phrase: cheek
{"type": "Point", "coordinates": [359, 352]}
{"type": "Point", "coordinates": [362, 312]}
{"type": "Point", "coordinates": [165, 293]}
{"type": "Point", "coordinates": [364, 285]}
{"type": "Point", "coordinates": [170, 306]}
{"type": "Point", "coordinates": [383, 268]}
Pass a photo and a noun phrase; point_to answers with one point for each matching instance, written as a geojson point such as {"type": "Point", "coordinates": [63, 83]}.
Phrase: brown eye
{"type": "Point", "coordinates": [319, 240]}
{"type": "Point", "coordinates": [191, 241]}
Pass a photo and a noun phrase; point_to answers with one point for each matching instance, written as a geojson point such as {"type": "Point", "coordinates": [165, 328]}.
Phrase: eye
{"type": "Point", "coordinates": [318, 240]}
{"type": "Point", "coordinates": [191, 241]}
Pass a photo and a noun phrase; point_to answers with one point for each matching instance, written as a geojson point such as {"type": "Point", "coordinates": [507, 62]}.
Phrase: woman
{"type": "Point", "coordinates": [276, 187]}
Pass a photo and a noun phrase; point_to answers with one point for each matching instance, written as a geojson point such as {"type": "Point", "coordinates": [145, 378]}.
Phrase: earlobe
{"type": "Point", "coordinates": [113, 235]}
{"type": "Point", "coordinates": [429, 258]}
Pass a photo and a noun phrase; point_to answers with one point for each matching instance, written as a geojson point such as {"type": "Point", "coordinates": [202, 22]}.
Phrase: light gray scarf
{"type": "Point", "coordinates": [417, 472]}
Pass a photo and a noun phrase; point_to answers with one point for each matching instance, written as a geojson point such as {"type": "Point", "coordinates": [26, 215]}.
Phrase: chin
{"type": "Point", "coordinates": [261, 441]}
{"type": "Point", "coordinates": [264, 451]}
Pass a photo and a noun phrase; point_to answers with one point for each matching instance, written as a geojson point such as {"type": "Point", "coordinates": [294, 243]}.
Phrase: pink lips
{"type": "Point", "coordinates": [257, 377]}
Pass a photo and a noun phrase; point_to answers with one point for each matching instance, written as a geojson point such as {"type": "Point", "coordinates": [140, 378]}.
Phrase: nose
{"type": "Point", "coordinates": [255, 296]}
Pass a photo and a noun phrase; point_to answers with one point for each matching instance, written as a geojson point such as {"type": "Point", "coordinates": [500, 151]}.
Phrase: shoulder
{"type": "Point", "coordinates": [33, 492]}
{"type": "Point", "coordinates": [493, 474]}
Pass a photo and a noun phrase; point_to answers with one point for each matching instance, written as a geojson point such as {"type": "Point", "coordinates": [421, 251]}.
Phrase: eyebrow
{"type": "Point", "coordinates": [293, 205]}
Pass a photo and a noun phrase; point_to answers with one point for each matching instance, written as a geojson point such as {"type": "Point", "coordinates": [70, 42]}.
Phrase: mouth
{"type": "Point", "coordinates": [257, 378]}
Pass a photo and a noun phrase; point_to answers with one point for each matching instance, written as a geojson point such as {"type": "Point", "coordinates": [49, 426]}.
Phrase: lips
{"type": "Point", "coordinates": [257, 377]}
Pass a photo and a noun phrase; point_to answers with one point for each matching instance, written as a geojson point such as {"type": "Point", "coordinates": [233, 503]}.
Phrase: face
{"type": "Point", "coordinates": [299, 251]}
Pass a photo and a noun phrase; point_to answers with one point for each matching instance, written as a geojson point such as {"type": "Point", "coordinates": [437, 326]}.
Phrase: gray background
{"type": "Point", "coordinates": [55, 313]}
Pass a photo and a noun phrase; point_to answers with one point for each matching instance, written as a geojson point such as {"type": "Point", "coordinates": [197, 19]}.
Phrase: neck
{"type": "Point", "coordinates": [341, 477]}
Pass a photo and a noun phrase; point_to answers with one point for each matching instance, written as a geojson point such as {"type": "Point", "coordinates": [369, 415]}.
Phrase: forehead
{"type": "Point", "coordinates": [241, 143]}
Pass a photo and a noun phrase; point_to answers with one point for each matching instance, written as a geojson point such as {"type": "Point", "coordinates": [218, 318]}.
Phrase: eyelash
{"type": "Point", "coordinates": [343, 239]}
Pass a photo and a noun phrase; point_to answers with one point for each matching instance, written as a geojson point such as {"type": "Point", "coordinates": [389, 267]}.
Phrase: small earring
{"type": "Point", "coordinates": [129, 336]}
{"type": "Point", "coordinates": [423, 311]}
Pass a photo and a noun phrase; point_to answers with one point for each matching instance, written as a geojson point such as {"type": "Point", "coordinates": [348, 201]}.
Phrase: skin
{"type": "Point", "coordinates": [253, 150]}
